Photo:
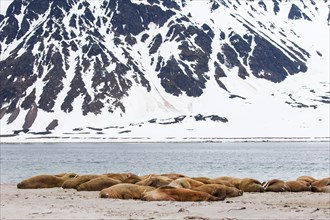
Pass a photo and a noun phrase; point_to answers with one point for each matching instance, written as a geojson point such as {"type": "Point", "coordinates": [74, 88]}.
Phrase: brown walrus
{"type": "Point", "coordinates": [251, 185]}
{"type": "Point", "coordinates": [173, 176]}
{"type": "Point", "coordinates": [97, 184]}
{"type": "Point", "coordinates": [132, 179]}
{"type": "Point", "coordinates": [125, 191]}
{"type": "Point", "coordinates": [307, 179]}
{"type": "Point", "coordinates": [45, 181]}
{"type": "Point", "coordinates": [120, 176]}
{"type": "Point", "coordinates": [227, 179]}
{"type": "Point", "coordinates": [155, 181]}
{"type": "Point", "coordinates": [147, 176]}
{"type": "Point", "coordinates": [322, 185]}
{"type": "Point", "coordinates": [186, 183]}
{"type": "Point", "coordinates": [276, 185]}
{"type": "Point", "coordinates": [169, 193]}
{"type": "Point", "coordinates": [215, 189]}
{"type": "Point", "coordinates": [298, 186]}
{"type": "Point", "coordinates": [73, 183]}
{"type": "Point", "coordinates": [204, 180]}
{"type": "Point", "coordinates": [223, 182]}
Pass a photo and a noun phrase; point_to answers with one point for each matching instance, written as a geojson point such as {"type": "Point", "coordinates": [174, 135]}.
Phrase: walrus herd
{"type": "Point", "coordinates": [171, 187]}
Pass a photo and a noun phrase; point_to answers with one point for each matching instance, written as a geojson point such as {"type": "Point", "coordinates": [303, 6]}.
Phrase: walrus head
{"type": "Point", "coordinates": [221, 194]}
{"type": "Point", "coordinates": [240, 193]}
{"type": "Point", "coordinates": [315, 189]}
{"type": "Point", "coordinates": [104, 195]}
{"type": "Point", "coordinates": [20, 185]}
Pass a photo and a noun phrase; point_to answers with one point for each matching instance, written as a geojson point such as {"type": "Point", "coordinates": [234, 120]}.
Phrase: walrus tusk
{"type": "Point", "coordinates": [266, 185]}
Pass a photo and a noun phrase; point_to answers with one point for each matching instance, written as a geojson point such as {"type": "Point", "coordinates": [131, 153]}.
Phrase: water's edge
{"type": "Point", "coordinates": [260, 160]}
{"type": "Point", "coordinates": [70, 139]}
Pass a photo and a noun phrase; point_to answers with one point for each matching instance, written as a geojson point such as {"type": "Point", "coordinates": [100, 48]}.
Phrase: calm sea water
{"type": "Point", "coordinates": [263, 161]}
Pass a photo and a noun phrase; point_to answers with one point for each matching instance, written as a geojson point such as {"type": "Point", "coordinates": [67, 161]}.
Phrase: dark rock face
{"type": "Point", "coordinates": [1, 17]}
{"type": "Point", "coordinates": [217, 118]}
{"type": "Point", "coordinates": [276, 8]}
{"type": "Point", "coordinates": [77, 88]}
{"type": "Point", "coordinates": [10, 30]}
{"type": "Point", "coordinates": [16, 76]}
{"type": "Point", "coordinates": [29, 100]}
{"type": "Point", "coordinates": [219, 73]}
{"type": "Point", "coordinates": [157, 41]}
{"type": "Point", "coordinates": [128, 18]}
{"type": "Point", "coordinates": [242, 46]}
{"type": "Point", "coordinates": [272, 62]}
{"type": "Point", "coordinates": [54, 83]}
{"type": "Point", "coordinates": [177, 75]}
{"type": "Point", "coordinates": [295, 13]}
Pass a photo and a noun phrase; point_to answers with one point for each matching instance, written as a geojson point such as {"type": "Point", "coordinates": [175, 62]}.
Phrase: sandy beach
{"type": "Point", "coordinates": [57, 203]}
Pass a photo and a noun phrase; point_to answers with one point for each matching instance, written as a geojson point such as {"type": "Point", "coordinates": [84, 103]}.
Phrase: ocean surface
{"type": "Point", "coordinates": [263, 161]}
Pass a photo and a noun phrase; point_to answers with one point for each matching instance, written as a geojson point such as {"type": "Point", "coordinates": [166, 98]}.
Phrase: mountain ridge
{"type": "Point", "coordinates": [132, 61]}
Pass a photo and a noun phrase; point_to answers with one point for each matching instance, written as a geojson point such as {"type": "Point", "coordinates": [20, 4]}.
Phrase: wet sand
{"type": "Point", "coordinates": [59, 203]}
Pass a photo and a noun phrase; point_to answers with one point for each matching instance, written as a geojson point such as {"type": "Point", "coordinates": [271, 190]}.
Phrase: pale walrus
{"type": "Point", "coordinates": [45, 181]}
{"type": "Point", "coordinates": [173, 176]}
{"type": "Point", "coordinates": [132, 179]}
{"type": "Point", "coordinates": [98, 184]}
{"type": "Point", "coordinates": [120, 176]}
{"type": "Point", "coordinates": [73, 183]}
{"type": "Point", "coordinates": [276, 185]}
{"type": "Point", "coordinates": [298, 186]}
{"type": "Point", "coordinates": [186, 183]}
{"type": "Point", "coordinates": [125, 191]}
{"type": "Point", "coordinates": [225, 179]}
{"type": "Point", "coordinates": [204, 180]}
{"type": "Point", "coordinates": [322, 185]}
{"type": "Point", "coordinates": [169, 193]}
{"type": "Point", "coordinates": [155, 181]}
{"type": "Point", "coordinates": [251, 185]}
{"type": "Point", "coordinates": [307, 179]}
{"type": "Point", "coordinates": [215, 189]}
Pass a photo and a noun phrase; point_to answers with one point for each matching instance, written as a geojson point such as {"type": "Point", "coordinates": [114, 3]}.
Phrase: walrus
{"type": "Point", "coordinates": [186, 183]}
{"type": "Point", "coordinates": [125, 191]}
{"type": "Point", "coordinates": [147, 176]}
{"type": "Point", "coordinates": [73, 183]}
{"type": "Point", "coordinates": [132, 179]}
{"type": "Point", "coordinates": [219, 190]}
{"type": "Point", "coordinates": [62, 174]}
{"type": "Point", "coordinates": [120, 176]}
{"type": "Point", "coordinates": [322, 185]}
{"type": "Point", "coordinates": [173, 176]}
{"type": "Point", "coordinates": [307, 179]}
{"type": "Point", "coordinates": [227, 179]}
{"type": "Point", "coordinates": [97, 184]}
{"type": "Point", "coordinates": [298, 186]}
{"type": "Point", "coordinates": [276, 185]}
{"type": "Point", "coordinates": [155, 181]}
{"type": "Point", "coordinates": [251, 185]}
{"type": "Point", "coordinates": [169, 193]}
{"type": "Point", "coordinates": [45, 181]}
{"type": "Point", "coordinates": [224, 182]}
{"type": "Point", "coordinates": [204, 180]}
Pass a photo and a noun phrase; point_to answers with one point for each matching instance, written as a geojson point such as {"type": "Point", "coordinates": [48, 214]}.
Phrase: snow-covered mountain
{"type": "Point", "coordinates": [152, 68]}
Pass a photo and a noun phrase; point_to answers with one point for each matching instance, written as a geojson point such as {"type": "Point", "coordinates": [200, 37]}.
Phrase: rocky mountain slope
{"type": "Point", "coordinates": [218, 68]}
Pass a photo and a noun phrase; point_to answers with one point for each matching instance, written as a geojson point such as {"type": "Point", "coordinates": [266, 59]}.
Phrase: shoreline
{"type": "Point", "coordinates": [70, 139]}
{"type": "Point", "coordinates": [57, 203]}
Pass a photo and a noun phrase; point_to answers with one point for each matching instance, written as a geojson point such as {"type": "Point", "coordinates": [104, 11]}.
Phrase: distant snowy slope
{"type": "Point", "coordinates": [155, 69]}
